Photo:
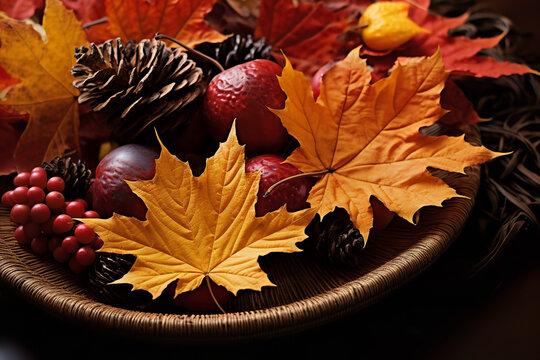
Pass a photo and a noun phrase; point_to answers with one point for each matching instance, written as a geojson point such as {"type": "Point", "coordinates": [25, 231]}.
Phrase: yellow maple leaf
{"type": "Point", "coordinates": [364, 138]}
{"type": "Point", "coordinates": [45, 91]}
{"type": "Point", "coordinates": [199, 227]}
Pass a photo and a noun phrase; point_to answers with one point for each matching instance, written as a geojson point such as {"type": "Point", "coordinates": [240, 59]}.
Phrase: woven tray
{"type": "Point", "coordinates": [309, 293]}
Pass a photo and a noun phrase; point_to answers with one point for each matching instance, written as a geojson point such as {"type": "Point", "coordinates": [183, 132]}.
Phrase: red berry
{"type": "Point", "coordinates": [39, 169]}
{"type": "Point", "coordinates": [20, 213]}
{"type": "Point", "coordinates": [85, 256]}
{"type": "Point", "coordinates": [20, 236]}
{"type": "Point", "coordinates": [39, 245]}
{"type": "Point", "coordinates": [56, 183]}
{"type": "Point", "coordinates": [32, 229]}
{"type": "Point", "coordinates": [38, 179]}
{"type": "Point", "coordinates": [74, 265]}
{"type": "Point", "coordinates": [35, 195]}
{"type": "Point", "coordinates": [70, 244]}
{"type": "Point", "coordinates": [75, 209]}
{"type": "Point", "coordinates": [84, 234]}
{"type": "Point", "coordinates": [62, 224]}
{"type": "Point", "coordinates": [83, 202]}
{"type": "Point", "coordinates": [20, 195]}
{"type": "Point", "coordinates": [97, 244]}
{"type": "Point", "coordinates": [91, 214]}
{"type": "Point", "coordinates": [54, 242]}
{"type": "Point", "coordinates": [22, 179]}
{"type": "Point", "coordinates": [40, 213]}
{"type": "Point", "coordinates": [7, 198]}
{"type": "Point", "coordinates": [47, 226]}
{"type": "Point", "coordinates": [60, 255]}
{"type": "Point", "coordinates": [56, 201]}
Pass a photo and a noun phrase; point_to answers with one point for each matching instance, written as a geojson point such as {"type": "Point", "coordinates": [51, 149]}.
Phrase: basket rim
{"type": "Point", "coordinates": [243, 325]}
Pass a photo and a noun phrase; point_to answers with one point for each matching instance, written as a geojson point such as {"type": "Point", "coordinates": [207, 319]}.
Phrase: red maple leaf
{"type": "Point", "coordinates": [307, 33]}
{"type": "Point", "coordinates": [460, 53]}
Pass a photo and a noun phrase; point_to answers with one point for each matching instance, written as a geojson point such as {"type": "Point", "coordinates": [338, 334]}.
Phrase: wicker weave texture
{"type": "Point", "coordinates": [309, 293]}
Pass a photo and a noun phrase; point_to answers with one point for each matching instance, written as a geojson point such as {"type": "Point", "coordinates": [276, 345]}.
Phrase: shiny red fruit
{"type": "Point", "coordinates": [200, 299]}
{"type": "Point", "coordinates": [110, 193]}
{"type": "Point", "coordinates": [316, 80]}
{"type": "Point", "coordinates": [244, 92]}
{"type": "Point", "coordinates": [21, 179]}
{"type": "Point", "coordinates": [62, 224]}
{"type": "Point", "coordinates": [293, 193]}
{"type": "Point", "coordinates": [39, 245]}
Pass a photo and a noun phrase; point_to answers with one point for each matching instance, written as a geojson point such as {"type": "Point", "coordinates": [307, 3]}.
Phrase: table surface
{"type": "Point", "coordinates": [442, 314]}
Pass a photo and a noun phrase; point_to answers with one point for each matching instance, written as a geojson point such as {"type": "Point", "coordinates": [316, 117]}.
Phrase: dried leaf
{"type": "Point", "coordinates": [142, 19]}
{"type": "Point", "coordinates": [459, 53]}
{"type": "Point", "coordinates": [365, 138]}
{"type": "Point", "coordinates": [201, 227]}
{"type": "Point", "coordinates": [246, 8]}
{"type": "Point", "coordinates": [45, 91]}
{"type": "Point", "coordinates": [307, 33]}
{"type": "Point", "coordinates": [11, 127]}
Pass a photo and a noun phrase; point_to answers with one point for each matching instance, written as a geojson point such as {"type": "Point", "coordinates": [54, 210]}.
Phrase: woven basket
{"type": "Point", "coordinates": [309, 292]}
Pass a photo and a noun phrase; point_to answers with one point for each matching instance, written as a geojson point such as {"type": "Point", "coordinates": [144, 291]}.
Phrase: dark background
{"type": "Point", "coordinates": [442, 314]}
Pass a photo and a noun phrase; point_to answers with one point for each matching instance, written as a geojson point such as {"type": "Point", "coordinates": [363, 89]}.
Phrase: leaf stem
{"type": "Point", "coordinates": [310, 174]}
{"type": "Point", "coordinates": [212, 294]}
{"type": "Point", "coordinates": [214, 62]}
{"type": "Point", "coordinates": [95, 22]}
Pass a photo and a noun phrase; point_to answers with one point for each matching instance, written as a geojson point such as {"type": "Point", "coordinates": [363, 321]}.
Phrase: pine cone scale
{"type": "Point", "coordinates": [134, 85]}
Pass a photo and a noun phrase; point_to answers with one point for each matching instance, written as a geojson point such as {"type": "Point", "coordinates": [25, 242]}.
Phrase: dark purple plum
{"type": "Point", "coordinates": [110, 193]}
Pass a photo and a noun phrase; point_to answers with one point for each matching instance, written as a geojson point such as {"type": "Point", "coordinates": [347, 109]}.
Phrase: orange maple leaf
{"type": "Point", "coordinates": [199, 227]}
{"type": "Point", "coordinates": [45, 91]}
{"type": "Point", "coordinates": [142, 19]}
{"type": "Point", "coordinates": [364, 138]}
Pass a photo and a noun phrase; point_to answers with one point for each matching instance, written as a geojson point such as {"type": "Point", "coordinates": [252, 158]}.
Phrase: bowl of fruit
{"type": "Point", "coordinates": [204, 187]}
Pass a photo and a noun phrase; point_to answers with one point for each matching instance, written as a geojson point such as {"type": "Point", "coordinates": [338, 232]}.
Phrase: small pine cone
{"type": "Point", "coordinates": [76, 175]}
{"type": "Point", "coordinates": [335, 239]}
{"type": "Point", "coordinates": [109, 267]}
{"type": "Point", "coordinates": [137, 85]}
{"type": "Point", "coordinates": [236, 50]}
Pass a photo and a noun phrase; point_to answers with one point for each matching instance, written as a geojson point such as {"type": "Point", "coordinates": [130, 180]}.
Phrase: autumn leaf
{"type": "Point", "coordinates": [199, 227]}
{"type": "Point", "coordinates": [307, 33]}
{"type": "Point", "coordinates": [459, 53]}
{"type": "Point", "coordinates": [461, 110]}
{"type": "Point", "coordinates": [11, 127]}
{"type": "Point", "coordinates": [364, 138]}
{"type": "Point", "coordinates": [45, 91]}
{"type": "Point", "coordinates": [142, 19]}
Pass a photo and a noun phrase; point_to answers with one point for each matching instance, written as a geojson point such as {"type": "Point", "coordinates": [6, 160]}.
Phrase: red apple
{"type": "Point", "coordinates": [316, 80]}
{"type": "Point", "coordinates": [110, 193]}
{"type": "Point", "coordinates": [294, 193]}
{"type": "Point", "coordinates": [244, 92]}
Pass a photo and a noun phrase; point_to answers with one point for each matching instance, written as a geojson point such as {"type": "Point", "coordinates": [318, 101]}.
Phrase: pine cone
{"type": "Point", "coordinates": [335, 239]}
{"type": "Point", "coordinates": [109, 267]}
{"type": "Point", "coordinates": [137, 85]}
{"type": "Point", "coordinates": [235, 50]}
{"type": "Point", "coordinates": [76, 175]}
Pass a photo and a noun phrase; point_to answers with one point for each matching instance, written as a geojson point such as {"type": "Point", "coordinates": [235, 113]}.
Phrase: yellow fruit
{"type": "Point", "coordinates": [388, 25]}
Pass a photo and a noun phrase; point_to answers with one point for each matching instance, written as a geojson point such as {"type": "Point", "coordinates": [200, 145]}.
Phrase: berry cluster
{"type": "Point", "coordinates": [46, 220]}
